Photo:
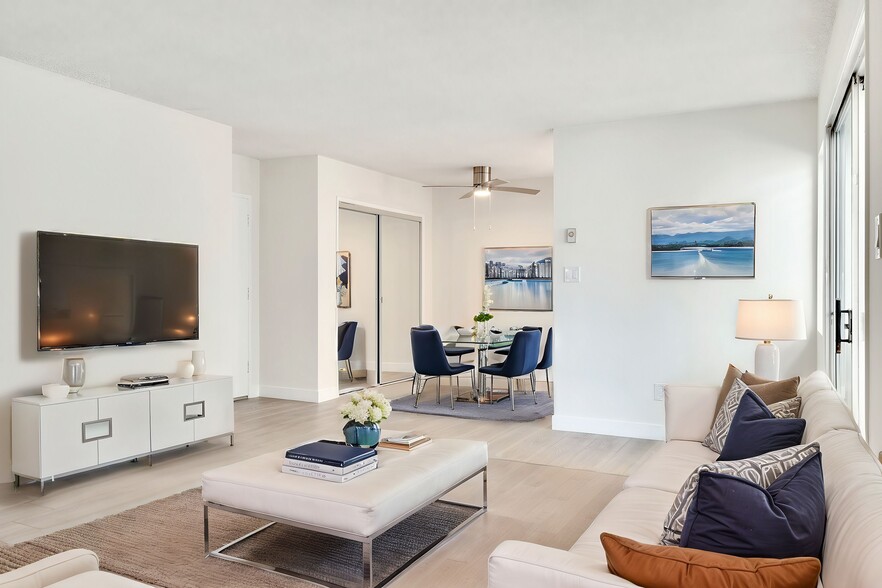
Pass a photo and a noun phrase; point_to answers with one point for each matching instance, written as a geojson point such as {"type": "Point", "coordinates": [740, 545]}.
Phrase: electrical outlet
{"type": "Point", "coordinates": [659, 392]}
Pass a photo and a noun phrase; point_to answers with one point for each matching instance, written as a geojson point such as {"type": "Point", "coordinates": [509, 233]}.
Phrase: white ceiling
{"type": "Point", "coordinates": [424, 89]}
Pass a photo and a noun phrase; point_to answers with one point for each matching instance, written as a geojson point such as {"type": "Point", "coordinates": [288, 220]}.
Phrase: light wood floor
{"type": "Point", "coordinates": [544, 486]}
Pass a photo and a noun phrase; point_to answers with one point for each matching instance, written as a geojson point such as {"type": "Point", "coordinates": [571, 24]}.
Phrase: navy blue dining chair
{"type": "Point", "coordinates": [430, 361]}
{"type": "Point", "coordinates": [547, 359]}
{"type": "Point", "coordinates": [345, 342]}
{"type": "Point", "coordinates": [522, 359]}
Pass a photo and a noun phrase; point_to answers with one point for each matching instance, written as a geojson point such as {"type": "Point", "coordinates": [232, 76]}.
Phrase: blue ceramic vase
{"type": "Point", "coordinates": [362, 435]}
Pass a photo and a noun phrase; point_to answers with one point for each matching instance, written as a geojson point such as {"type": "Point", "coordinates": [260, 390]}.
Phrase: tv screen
{"type": "Point", "coordinates": [102, 291]}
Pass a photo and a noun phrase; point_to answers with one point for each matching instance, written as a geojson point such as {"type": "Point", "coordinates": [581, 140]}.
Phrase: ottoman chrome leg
{"type": "Point", "coordinates": [205, 529]}
{"type": "Point", "coordinates": [367, 580]}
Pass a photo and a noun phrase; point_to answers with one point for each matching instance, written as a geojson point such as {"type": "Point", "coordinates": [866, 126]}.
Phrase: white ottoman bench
{"type": "Point", "coordinates": [359, 510]}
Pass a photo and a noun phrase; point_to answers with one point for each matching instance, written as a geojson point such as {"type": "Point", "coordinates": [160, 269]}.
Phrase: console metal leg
{"type": "Point", "coordinates": [485, 487]}
{"type": "Point", "coordinates": [42, 487]}
{"type": "Point", "coordinates": [231, 440]}
{"type": "Point", "coordinates": [367, 580]}
{"type": "Point", "coordinates": [16, 481]}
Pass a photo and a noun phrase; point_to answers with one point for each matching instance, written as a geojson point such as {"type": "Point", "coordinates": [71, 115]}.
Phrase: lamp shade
{"type": "Point", "coordinates": [770, 320]}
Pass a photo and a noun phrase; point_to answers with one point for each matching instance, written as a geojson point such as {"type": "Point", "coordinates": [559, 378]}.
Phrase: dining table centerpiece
{"type": "Point", "coordinates": [482, 318]}
{"type": "Point", "coordinates": [363, 413]}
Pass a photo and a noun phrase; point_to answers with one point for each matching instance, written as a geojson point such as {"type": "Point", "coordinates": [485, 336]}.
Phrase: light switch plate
{"type": "Point", "coordinates": [573, 274]}
{"type": "Point", "coordinates": [571, 235]}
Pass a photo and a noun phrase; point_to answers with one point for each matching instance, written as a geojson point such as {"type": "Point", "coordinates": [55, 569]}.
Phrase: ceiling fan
{"type": "Point", "coordinates": [482, 185]}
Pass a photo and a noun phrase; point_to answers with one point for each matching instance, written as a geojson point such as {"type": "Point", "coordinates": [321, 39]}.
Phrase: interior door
{"type": "Point", "coordinates": [848, 250]}
{"type": "Point", "coordinates": [399, 295]}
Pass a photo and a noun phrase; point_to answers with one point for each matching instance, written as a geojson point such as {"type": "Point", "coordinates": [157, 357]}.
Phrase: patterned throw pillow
{"type": "Point", "coordinates": [762, 470]}
{"type": "Point", "coordinates": [787, 409]}
{"type": "Point", "coordinates": [716, 437]}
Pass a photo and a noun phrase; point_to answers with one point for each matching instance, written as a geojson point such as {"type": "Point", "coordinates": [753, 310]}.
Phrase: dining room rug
{"type": "Point", "coordinates": [160, 543]}
{"type": "Point", "coordinates": [501, 410]}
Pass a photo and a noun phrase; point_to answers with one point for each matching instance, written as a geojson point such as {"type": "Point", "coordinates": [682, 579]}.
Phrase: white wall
{"type": "Point", "coordinates": [299, 203]}
{"type": "Point", "coordinates": [79, 158]}
{"type": "Point", "coordinates": [289, 288]}
{"type": "Point", "coordinates": [874, 207]}
{"type": "Point", "coordinates": [846, 40]}
{"type": "Point", "coordinates": [357, 233]}
{"type": "Point", "coordinates": [517, 220]}
{"type": "Point", "coordinates": [618, 332]}
{"type": "Point", "coordinates": [246, 182]}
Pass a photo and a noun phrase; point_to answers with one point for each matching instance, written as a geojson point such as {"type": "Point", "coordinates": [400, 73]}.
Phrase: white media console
{"type": "Point", "coordinates": [101, 426]}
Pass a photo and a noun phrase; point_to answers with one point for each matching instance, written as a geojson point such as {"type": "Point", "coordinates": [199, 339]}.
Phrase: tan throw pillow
{"type": "Point", "coordinates": [658, 566]}
{"type": "Point", "coordinates": [770, 391]}
{"type": "Point", "coordinates": [732, 374]}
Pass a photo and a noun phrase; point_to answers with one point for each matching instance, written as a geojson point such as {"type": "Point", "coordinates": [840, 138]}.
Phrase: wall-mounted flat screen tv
{"type": "Point", "coordinates": [101, 291]}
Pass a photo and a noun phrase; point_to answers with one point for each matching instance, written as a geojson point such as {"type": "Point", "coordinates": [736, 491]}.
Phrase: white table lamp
{"type": "Point", "coordinates": [769, 320]}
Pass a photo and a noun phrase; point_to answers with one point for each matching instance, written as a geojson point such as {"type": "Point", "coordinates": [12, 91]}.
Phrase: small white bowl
{"type": "Point", "coordinates": [55, 390]}
{"type": "Point", "coordinates": [466, 332]}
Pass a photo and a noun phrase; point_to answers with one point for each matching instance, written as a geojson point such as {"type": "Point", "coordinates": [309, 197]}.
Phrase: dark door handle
{"type": "Point", "coordinates": [839, 326]}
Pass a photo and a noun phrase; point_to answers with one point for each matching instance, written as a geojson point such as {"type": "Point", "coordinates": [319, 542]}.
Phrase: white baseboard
{"type": "Point", "coordinates": [608, 427]}
{"type": "Point", "coordinates": [299, 394]}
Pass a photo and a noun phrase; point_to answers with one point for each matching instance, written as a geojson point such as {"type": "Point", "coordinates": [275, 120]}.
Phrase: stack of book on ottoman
{"type": "Point", "coordinates": [329, 460]}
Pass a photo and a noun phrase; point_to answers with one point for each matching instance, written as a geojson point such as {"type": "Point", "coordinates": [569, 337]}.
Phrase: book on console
{"type": "Point", "coordinates": [330, 453]}
{"type": "Point", "coordinates": [320, 467]}
{"type": "Point", "coordinates": [339, 478]}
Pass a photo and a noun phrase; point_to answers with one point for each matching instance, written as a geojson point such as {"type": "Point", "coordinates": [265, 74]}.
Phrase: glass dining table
{"type": "Point", "coordinates": [482, 344]}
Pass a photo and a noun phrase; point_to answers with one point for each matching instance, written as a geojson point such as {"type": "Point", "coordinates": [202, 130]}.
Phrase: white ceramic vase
{"type": "Point", "coordinates": [186, 369]}
{"type": "Point", "coordinates": [198, 363]}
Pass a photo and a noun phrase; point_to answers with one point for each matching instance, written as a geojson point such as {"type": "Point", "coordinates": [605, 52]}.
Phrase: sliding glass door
{"type": "Point", "coordinates": [847, 255]}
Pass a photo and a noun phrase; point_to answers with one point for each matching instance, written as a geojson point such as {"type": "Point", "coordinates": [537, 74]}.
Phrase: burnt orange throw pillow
{"type": "Point", "coordinates": [660, 566]}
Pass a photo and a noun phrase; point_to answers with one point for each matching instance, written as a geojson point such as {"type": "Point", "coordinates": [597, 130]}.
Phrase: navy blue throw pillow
{"type": "Point", "coordinates": [755, 430]}
{"type": "Point", "coordinates": [734, 516]}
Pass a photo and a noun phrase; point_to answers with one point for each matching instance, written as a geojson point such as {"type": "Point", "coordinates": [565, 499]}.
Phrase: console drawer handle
{"type": "Point", "coordinates": [194, 410]}
{"type": "Point", "coordinates": [95, 430]}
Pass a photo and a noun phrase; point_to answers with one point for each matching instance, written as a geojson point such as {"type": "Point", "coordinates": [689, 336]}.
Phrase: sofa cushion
{"type": "Point", "coordinates": [659, 566]}
{"type": "Point", "coordinates": [732, 374]}
{"type": "Point", "coordinates": [637, 513]}
{"type": "Point", "coordinates": [97, 580]}
{"type": "Point", "coordinates": [761, 470]}
{"type": "Point", "coordinates": [825, 412]}
{"type": "Point", "coordinates": [755, 430]}
{"type": "Point", "coordinates": [734, 516]}
{"type": "Point", "coordinates": [669, 465]}
{"type": "Point", "coordinates": [852, 553]}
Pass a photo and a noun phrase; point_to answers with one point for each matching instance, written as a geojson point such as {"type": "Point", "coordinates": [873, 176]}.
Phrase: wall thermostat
{"type": "Point", "coordinates": [571, 235]}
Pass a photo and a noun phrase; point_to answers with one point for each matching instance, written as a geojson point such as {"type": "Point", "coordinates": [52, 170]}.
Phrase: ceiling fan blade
{"type": "Point", "coordinates": [530, 191]}
{"type": "Point", "coordinates": [468, 194]}
{"type": "Point", "coordinates": [458, 186]}
{"type": "Point", "coordinates": [494, 183]}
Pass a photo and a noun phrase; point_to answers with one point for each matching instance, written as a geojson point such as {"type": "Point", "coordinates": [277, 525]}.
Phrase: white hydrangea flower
{"type": "Point", "coordinates": [369, 406]}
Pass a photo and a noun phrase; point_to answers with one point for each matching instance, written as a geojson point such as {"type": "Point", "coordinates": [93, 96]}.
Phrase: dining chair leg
{"type": "Point", "coordinates": [510, 394]}
{"type": "Point", "coordinates": [349, 370]}
{"type": "Point", "coordinates": [474, 388]}
{"type": "Point", "coordinates": [438, 389]}
{"type": "Point", "coordinates": [413, 385]}
{"type": "Point", "coordinates": [533, 386]}
{"type": "Point", "coordinates": [548, 383]}
{"type": "Point", "coordinates": [452, 406]}
{"type": "Point", "coordinates": [419, 388]}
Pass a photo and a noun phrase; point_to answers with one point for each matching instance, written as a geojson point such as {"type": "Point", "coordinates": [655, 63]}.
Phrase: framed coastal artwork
{"type": "Point", "coordinates": [712, 241]}
{"type": "Point", "coordinates": [344, 294]}
{"type": "Point", "coordinates": [519, 277]}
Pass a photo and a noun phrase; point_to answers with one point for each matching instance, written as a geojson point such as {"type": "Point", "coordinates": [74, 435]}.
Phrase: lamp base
{"type": "Point", "coordinates": [767, 360]}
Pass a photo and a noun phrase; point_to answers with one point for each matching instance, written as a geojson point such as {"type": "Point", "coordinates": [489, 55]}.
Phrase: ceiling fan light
{"type": "Point", "coordinates": [482, 191]}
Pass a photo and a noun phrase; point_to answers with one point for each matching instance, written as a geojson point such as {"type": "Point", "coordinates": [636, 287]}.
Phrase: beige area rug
{"type": "Point", "coordinates": [160, 543]}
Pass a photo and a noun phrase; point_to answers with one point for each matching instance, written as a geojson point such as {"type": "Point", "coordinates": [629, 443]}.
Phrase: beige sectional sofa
{"type": "Point", "coordinates": [852, 554]}
{"type": "Point", "coordinates": [77, 568]}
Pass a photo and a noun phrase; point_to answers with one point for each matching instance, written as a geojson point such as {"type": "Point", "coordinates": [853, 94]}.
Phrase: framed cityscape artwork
{"type": "Point", "coordinates": [519, 277]}
{"type": "Point", "coordinates": [713, 241]}
{"type": "Point", "coordinates": [344, 294]}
